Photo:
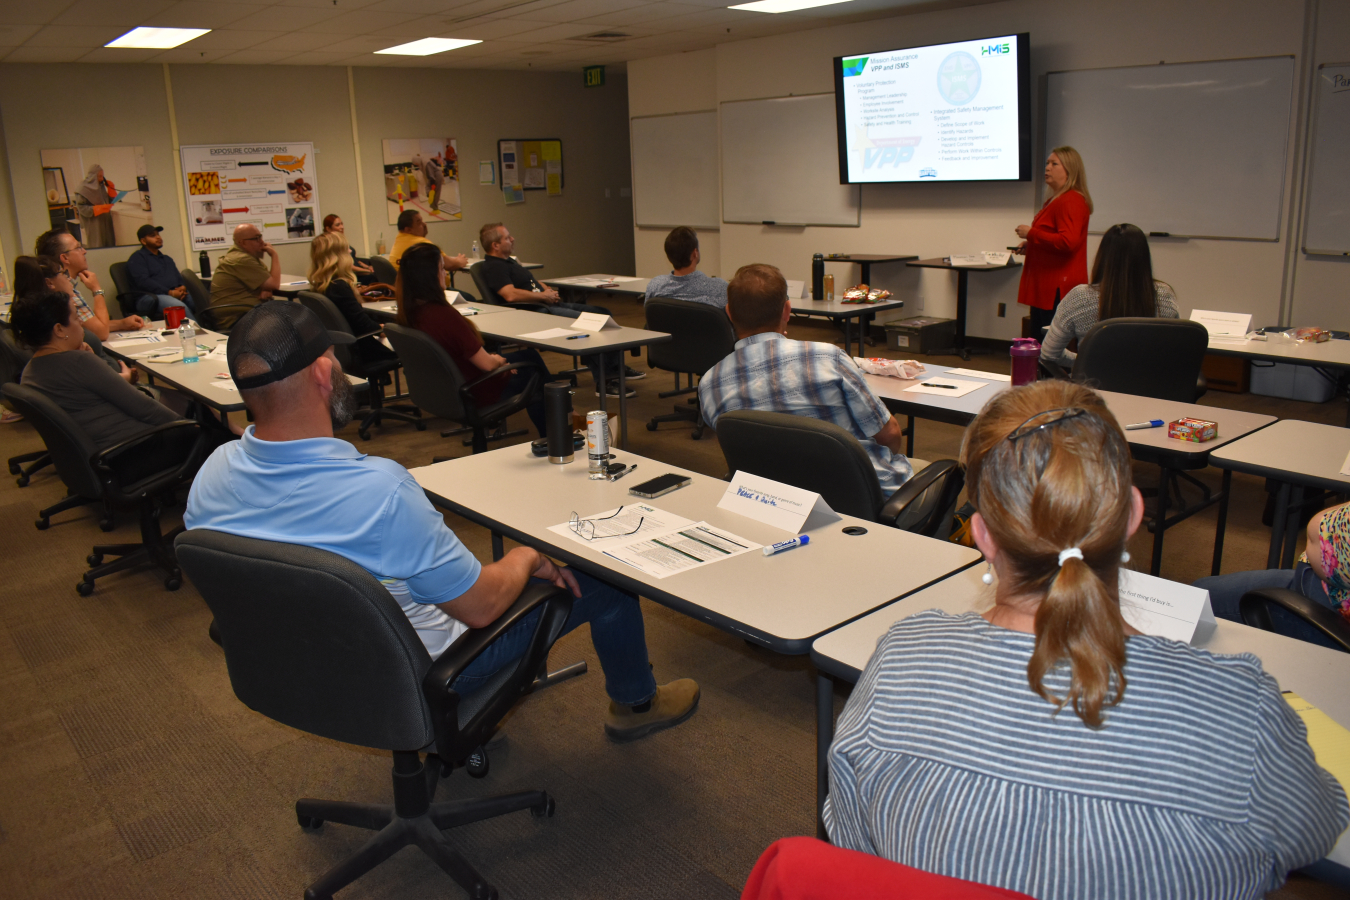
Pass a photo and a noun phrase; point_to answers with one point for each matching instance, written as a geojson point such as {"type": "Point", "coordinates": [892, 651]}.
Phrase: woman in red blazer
{"type": "Point", "coordinates": [1055, 243]}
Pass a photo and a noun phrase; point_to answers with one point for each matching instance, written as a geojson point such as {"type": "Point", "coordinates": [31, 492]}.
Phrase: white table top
{"type": "Point", "coordinates": [1328, 353]}
{"type": "Point", "coordinates": [387, 309]}
{"type": "Point", "coordinates": [1317, 674]}
{"type": "Point", "coordinates": [838, 309]}
{"type": "Point", "coordinates": [782, 601]}
{"type": "Point", "coordinates": [629, 284]}
{"type": "Point", "coordinates": [513, 324]}
{"type": "Point", "coordinates": [294, 282]}
{"type": "Point", "coordinates": [1127, 408]}
{"type": "Point", "coordinates": [1307, 451]}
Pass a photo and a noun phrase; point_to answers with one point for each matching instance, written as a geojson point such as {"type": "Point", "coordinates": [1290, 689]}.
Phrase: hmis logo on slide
{"type": "Point", "coordinates": [995, 49]}
{"type": "Point", "coordinates": [854, 66]}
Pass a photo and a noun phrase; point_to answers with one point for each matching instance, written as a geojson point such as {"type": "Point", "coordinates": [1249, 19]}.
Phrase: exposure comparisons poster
{"type": "Point", "coordinates": [947, 112]}
{"type": "Point", "coordinates": [273, 186]}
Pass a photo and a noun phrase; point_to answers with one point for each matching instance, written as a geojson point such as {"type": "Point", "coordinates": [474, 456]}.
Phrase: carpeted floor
{"type": "Point", "coordinates": [129, 770]}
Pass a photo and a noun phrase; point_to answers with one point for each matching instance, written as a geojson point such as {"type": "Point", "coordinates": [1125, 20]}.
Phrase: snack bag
{"type": "Point", "coordinates": [896, 368]}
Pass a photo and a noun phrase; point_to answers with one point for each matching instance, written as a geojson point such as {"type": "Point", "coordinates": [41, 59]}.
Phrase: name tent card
{"type": "Point", "coordinates": [456, 299]}
{"type": "Point", "coordinates": [1223, 326]}
{"type": "Point", "coordinates": [773, 503]}
{"type": "Point", "coordinates": [593, 322]}
{"type": "Point", "coordinates": [1165, 608]}
{"type": "Point", "coordinates": [797, 290]}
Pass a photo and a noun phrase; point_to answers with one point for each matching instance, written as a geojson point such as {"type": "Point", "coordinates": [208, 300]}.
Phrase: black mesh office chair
{"type": "Point", "coordinates": [1275, 609]}
{"type": "Point", "coordinates": [137, 471]}
{"type": "Point", "coordinates": [314, 641]}
{"type": "Point", "coordinates": [1146, 357]}
{"type": "Point", "coordinates": [436, 386]}
{"type": "Point", "coordinates": [376, 373]}
{"type": "Point", "coordinates": [201, 302]}
{"type": "Point", "coordinates": [385, 272]}
{"type": "Point", "coordinates": [824, 458]}
{"type": "Point", "coordinates": [701, 336]}
{"type": "Point", "coordinates": [494, 298]}
{"type": "Point", "coordinates": [13, 358]}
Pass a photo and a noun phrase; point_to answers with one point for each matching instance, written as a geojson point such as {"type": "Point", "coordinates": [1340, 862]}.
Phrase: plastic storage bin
{"type": "Point", "coordinates": [1292, 382]}
{"type": "Point", "coordinates": [921, 334]}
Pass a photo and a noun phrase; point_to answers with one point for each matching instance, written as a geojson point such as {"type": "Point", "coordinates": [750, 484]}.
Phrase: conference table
{"type": "Point", "coordinates": [1173, 457]}
{"type": "Point", "coordinates": [387, 310]}
{"type": "Point", "coordinates": [1333, 354]}
{"type": "Point", "coordinates": [1317, 674]}
{"type": "Point", "coordinates": [864, 261]}
{"type": "Point", "coordinates": [962, 291]}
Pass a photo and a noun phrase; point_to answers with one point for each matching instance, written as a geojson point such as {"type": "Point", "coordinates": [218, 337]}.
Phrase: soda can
{"type": "Point", "coordinates": [597, 442]}
{"type": "Point", "coordinates": [829, 287]}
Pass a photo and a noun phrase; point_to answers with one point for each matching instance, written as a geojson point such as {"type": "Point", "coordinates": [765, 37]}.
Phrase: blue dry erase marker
{"type": "Point", "coordinates": [787, 545]}
{"type": "Point", "coordinates": [577, 337]}
{"type": "Point", "coordinates": [1151, 423]}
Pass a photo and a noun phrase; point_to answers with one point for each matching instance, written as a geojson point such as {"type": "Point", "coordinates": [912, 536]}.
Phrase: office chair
{"type": "Point", "coordinates": [376, 373]}
{"type": "Point", "coordinates": [13, 359]}
{"type": "Point", "coordinates": [1146, 357]}
{"type": "Point", "coordinates": [701, 337]}
{"type": "Point", "coordinates": [824, 458]}
{"type": "Point", "coordinates": [437, 386]}
{"type": "Point", "coordinates": [137, 471]}
{"type": "Point", "coordinates": [201, 302]}
{"type": "Point", "coordinates": [315, 642]}
{"type": "Point", "coordinates": [492, 297]}
{"type": "Point", "coordinates": [128, 298]}
{"type": "Point", "coordinates": [1276, 609]}
{"type": "Point", "coordinates": [385, 271]}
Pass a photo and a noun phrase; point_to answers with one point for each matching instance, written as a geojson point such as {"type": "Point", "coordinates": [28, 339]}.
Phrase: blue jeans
{"type": "Point", "coordinates": [1226, 590]}
{"type": "Point", "coordinates": [613, 360]}
{"type": "Point", "coordinates": [518, 379]}
{"type": "Point", "coordinates": [617, 631]}
{"type": "Point", "coordinates": [150, 304]}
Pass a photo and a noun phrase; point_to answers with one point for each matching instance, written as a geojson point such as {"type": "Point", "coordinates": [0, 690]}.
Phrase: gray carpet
{"type": "Point", "coordinates": [128, 768]}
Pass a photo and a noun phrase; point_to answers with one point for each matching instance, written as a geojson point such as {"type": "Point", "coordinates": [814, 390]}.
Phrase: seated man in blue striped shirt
{"type": "Point", "coordinates": [771, 372]}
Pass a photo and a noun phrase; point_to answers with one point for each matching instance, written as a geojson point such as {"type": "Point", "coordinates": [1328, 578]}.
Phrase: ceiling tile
{"type": "Point", "coordinates": [413, 7]}
{"type": "Point", "coordinates": [46, 54]}
{"type": "Point", "coordinates": [487, 29]}
{"type": "Point", "coordinates": [343, 5]}
{"type": "Point", "coordinates": [73, 36]}
{"type": "Point", "coordinates": [583, 9]}
{"type": "Point", "coordinates": [497, 9]}
{"type": "Point", "coordinates": [26, 12]}
{"type": "Point", "coordinates": [255, 57]}
{"type": "Point", "coordinates": [231, 39]}
{"type": "Point", "coordinates": [723, 17]}
{"type": "Point", "coordinates": [296, 42]}
{"type": "Point", "coordinates": [190, 53]}
{"type": "Point", "coordinates": [364, 22]}
{"type": "Point", "coordinates": [13, 35]}
{"type": "Point", "coordinates": [287, 18]}
{"type": "Point", "coordinates": [650, 12]}
{"type": "Point", "coordinates": [125, 14]}
{"type": "Point", "coordinates": [119, 55]}
{"type": "Point", "coordinates": [367, 43]}
{"type": "Point", "coordinates": [198, 14]}
{"type": "Point", "coordinates": [318, 58]}
{"type": "Point", "coordinates": [552, 33]}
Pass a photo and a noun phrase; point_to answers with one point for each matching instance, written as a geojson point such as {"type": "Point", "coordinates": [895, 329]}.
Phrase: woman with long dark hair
{"type": "Point", "coordinates": [420, 294]}
{"type": "Point", "coordinates": [1122, 286]}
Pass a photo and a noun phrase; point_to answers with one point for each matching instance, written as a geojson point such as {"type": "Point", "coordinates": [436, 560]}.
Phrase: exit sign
{"type": "Point", "coordinates": [594, 75]}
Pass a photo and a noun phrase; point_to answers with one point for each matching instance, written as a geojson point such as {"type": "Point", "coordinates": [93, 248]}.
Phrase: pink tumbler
{"type": "Point", "coordinates": [1024, 353]}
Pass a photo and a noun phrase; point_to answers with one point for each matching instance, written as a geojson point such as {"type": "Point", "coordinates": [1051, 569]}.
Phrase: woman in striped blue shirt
{"type": "Point", "coordinates": [1047, 747]}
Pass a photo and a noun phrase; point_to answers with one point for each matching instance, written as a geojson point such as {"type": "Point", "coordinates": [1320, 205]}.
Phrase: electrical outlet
{"type": "Point", "coordinates": [1002, 310]}
{"type": "Point", "coordinates": [918, 302]}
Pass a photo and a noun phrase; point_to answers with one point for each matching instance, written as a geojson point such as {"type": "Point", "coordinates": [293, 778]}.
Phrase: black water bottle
{"type": "Point", "coordinates": [558, 418]}
{"type": "Point", "coordinates": [818, 277]}
{"type": "Point", "coordinates": [204, 262]}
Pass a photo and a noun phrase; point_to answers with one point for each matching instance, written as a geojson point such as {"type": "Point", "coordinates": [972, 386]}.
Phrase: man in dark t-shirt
{"type": "Point", "coordinates": [513, 284]}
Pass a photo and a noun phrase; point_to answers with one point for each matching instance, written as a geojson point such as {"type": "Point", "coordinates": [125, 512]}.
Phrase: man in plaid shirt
{"type": "Point", "coordinates": [768, 371]}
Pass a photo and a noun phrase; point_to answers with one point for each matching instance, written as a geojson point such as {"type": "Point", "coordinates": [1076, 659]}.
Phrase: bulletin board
{"type": "Point", "coordinates": [536, 164]}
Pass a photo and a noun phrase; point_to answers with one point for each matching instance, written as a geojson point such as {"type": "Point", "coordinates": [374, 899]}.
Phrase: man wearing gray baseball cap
{"type": "Point", "coordinates": [289, 479]}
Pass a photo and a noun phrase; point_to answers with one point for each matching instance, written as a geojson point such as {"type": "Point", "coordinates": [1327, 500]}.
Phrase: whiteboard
{"type": "Point", "coordinates": [1328, 224]}
{"type": "Point", "coordinates": [675, 170]}
{"type": "Point", "coordinates": [780, 163]}
{"type": "Point", "coordinates": [1191, 149]}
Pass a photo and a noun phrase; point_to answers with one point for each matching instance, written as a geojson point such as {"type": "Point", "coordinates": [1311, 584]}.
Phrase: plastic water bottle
{"type": "Point", "coordinates": [187, 336]}
{"type": "Point", "coordinates": [475, 251]}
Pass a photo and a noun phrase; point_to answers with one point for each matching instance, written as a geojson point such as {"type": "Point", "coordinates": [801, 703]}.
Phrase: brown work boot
{"type": "Point", "coordinates": [672, 704]}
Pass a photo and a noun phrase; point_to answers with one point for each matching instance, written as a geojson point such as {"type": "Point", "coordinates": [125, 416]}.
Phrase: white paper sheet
{"type": "Point", "coordinates": [225, 386]}
{"type": "Point", "coordinates": [625, 279]}
{"type": "Point", "coordinates": [1223, 326]}
{"type": "Point", "coordinates": [141, 338]}
{"type": "Point", "coordinates": [1164, 608]}
{"type": "Point", "coordinates": [967, 260]}
{"type": "Point", "coordinates": [1345, 466]}
{"type": "Point", "coordinates": [677, 551]}
{"type": "Point", "coordinates": [621, 522]}
{"type": "Point", "coordinates": [976, 373]}
{"type": "Point", "coordinates": [952, 387]}
{"type": "Point", "coordinates": [159, 354]}
{"type": "Point", "coordinates": [551, 333]}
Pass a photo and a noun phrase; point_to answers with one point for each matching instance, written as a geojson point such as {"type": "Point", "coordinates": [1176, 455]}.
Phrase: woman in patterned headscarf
{"type": "Point", "coordinates": [93, 203]}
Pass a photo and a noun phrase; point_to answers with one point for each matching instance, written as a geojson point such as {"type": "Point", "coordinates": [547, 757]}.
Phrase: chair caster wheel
{"type": "Point", "coordinates": [308, 823]}
{"type": "Point", "coordinates": [105, 524]}
{"type": "Point", "coordinates": [173, 583]}
{"type": "Point", "coordinates": [544, 810]}
{"type": "Point", "coordinates": [484, 892]}
{"type": "Point", "coordinates": [94, 559]}
{"type": "Point", "coordinates": [420, 425]}
{"type": "Point", "coordinates": [651, 426]}
{"type": "Point", "coordinates": [15, 469]}
{"type": "Point", "coordinates": [84, 588]}
{"type": "Point", "coordinates": [22, 481]}
{"type": "Point", "coordinates": [477, 764]}
{"type": "Point", "coordinates": [365, 435]}
{"type": "Point", "coordinates": [43, 523]}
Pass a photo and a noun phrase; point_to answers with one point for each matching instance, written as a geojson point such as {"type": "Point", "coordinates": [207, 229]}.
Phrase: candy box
{"type": "Point", "coordinates": [1188, 429]}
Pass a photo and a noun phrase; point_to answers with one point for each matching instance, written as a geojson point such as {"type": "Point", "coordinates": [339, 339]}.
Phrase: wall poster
{"type": "Point", "coordinates": [273, 186]}
{"type": "Point", "coordinates": [422, 174]}
{"type": "Point", "coordinates": [535, 165]}
{"type": "Point", "coordinates": [99, 194]}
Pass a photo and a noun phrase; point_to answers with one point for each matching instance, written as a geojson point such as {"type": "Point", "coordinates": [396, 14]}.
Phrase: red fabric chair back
{"type": "Point", "coordinates": [803, 868]}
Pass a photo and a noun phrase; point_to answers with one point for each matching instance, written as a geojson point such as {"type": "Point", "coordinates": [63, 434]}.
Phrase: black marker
{"type": "Point", "coordinates": [950, 387]}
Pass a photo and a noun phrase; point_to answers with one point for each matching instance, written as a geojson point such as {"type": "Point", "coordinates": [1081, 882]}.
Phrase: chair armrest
{"type": "Point", "coordinates": [912, 489]}
{"type": "Point", "coordinates": [109, 456]}
{"type": "Point", "coordinates": [106, 462]}
{"type": "Point", "coordinates": [1052, 369]}
{"type": "Point", "coordinates": [466, 390]}
{"type": "Point", "coordinates": [376, 332]}
{"type": "Point", "coordinates": [467, 647]}
{"type": "Point", "coordinates": [1254, 607]}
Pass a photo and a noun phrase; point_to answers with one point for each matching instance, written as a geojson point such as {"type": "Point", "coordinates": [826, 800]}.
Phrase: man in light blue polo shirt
{"type": "Point", "coordinates": [289, 479]}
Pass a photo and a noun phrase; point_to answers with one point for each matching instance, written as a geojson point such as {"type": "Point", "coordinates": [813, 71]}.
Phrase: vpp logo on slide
{"type": "Point", "coordinates": [854, 66]}
{"type": "Point", "coordinates": [890, 152]}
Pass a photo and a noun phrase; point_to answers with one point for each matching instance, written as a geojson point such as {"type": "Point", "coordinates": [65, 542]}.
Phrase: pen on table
{"type": "Point", "coordinates": [1151, 423]}
{"type": "Point", "coordinates": [950, 387]}
{"type": "Point", "coordinates": [576, 337]}
{"type": "Point", "coordinates": [623, 473]}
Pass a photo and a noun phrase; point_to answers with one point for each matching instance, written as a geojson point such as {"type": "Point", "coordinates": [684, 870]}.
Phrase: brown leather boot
{"type": "Point", "coordinates": [672, 704]}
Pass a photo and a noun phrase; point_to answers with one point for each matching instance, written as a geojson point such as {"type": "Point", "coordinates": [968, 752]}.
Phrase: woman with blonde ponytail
{"type": "Point", "coordinates": [1047, 747]}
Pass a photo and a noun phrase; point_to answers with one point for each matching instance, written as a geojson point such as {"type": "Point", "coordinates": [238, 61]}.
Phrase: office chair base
{"type": "Point", "coordinates": [377, 416]}
{"type": "Point", "coordinates": [681, 414]}
{"type": "Point", "coordinates": [70, 501]}
{"type": "Point", "coordinates": [412, 820]}
{"type": "Point", "coordinates": [155, 548]}
{"type": "Point", "coordinates": [40, 459]}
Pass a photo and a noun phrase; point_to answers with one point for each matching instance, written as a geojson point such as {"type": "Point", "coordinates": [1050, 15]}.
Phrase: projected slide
{"type": "Point", "coordinates": [947, 112]}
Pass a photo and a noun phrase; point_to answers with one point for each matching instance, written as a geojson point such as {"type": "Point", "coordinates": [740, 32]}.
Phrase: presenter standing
{"type": "Point", "coordinates": [1055, 243]}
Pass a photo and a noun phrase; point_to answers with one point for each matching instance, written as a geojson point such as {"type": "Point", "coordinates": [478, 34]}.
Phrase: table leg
{"type": "Point", "coordinates": [1297, 496]}
{"type": "Point", "coordinates": [848, 336]}
{"type": "Point", "coordinates": [623, 405]}
{"type": "Point", "coordinates": [962, 285]}
{"type": "Point", "coordinates": [1223, 520]}
{"type": "Point", "coordinates": [1277, 524]}
{"type": "Point", "coordinates": [1160, 520]}
{"type": "Point", "coordinates": [604, 378]}
{"type": "Point", "coordinates": [909, 439]}
{"type": "Point", "coordinates": [824, 735]}
{"type": "Point", "coordinates": [866, 269]}
{"type": "Point", "coordinates": [498, 548]}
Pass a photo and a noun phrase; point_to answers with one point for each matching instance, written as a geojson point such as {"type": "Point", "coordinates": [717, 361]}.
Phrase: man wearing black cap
{"type": "Point", "coordinates": [154, 274]}
{"type": "Point", "coordinates": [289, 479]}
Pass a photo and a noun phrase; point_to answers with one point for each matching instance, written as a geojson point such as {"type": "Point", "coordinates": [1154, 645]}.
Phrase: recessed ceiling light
{"type": "Point", "coordinates": [428, 46]}
{"type": "Point", "coordinates": [782, 6]}
{"type": "Point", "coordinates": [157, 38]}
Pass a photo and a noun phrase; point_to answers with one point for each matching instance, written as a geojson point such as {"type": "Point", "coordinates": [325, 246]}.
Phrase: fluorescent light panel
{"type": "Point", "coordinates": [428, 46]}
{"type": "Point", "coordinates": [782, 6]}
{"type": "Point", "coordinates": [157, 38]}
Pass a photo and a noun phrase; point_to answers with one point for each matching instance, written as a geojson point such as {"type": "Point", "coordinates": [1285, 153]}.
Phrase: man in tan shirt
{"type": "Point", "coordinates": [241, 278]}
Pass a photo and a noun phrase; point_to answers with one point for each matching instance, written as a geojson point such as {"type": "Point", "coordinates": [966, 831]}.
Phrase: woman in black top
{"type": "Point", "coordinates": [330, 272]}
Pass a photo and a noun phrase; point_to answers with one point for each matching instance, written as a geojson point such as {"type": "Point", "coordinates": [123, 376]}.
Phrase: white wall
{"type": "Point", "coordinates": [940, 219]}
